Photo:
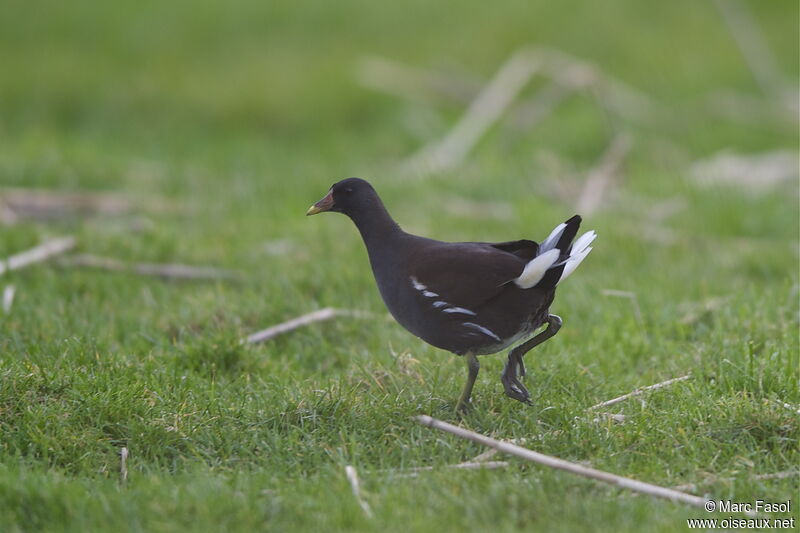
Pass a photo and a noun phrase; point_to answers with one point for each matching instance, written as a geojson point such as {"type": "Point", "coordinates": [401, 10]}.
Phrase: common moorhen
{"type": "Point", "coordinates": [471, 298]}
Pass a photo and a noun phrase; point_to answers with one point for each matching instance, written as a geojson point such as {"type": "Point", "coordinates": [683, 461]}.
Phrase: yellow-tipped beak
{"type": "Point", "coordinates": [326, 204]}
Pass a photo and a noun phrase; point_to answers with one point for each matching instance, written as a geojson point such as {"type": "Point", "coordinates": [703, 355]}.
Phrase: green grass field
{"type": "Point", "coordinates": [222, 123]}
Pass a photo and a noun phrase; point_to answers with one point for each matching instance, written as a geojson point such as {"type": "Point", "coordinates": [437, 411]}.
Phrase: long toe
{"type": "Point", "coordinates": [520, 394]}
{"type": "Point", "coordinates": [514, 389]}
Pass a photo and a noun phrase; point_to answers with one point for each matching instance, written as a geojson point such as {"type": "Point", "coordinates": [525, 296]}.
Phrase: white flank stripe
{"type": "Point", "coordinates": [459, 310]}
{"type": "Point", "coordinates": [483, 330]}
{"type": "Point", "coordinates": [429, 294]}
{"type": "Point", "coordinates": [552, 239]}
{"type": "Point", "coordinates": [417, 285]}
{"type": "Point", "coordinates": [573, 263]}
{"type": "Point", "coordinates": [440, 304]}
{"type": "Point", "coordinates": [582, 242]}
{"type": "Point", "coordinates": [536, 268]}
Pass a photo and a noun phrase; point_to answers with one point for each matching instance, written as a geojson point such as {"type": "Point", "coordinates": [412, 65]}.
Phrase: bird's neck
{"type": "Point", "coordinates": [381, 234]}
{"type": "Point", "coordinates": [378, 230]}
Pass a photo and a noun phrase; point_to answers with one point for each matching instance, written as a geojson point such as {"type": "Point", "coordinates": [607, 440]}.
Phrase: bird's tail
{"type": "Point", "coordinates": [557, 256]}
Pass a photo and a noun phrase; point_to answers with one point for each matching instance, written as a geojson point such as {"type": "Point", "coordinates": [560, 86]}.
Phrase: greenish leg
{"type": "Point", "coordinates": [515, 368]}
{"type": "Point", "coordinates": [473, 366]}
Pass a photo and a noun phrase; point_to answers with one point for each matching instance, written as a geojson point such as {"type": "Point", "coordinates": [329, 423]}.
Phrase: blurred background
{"type": "Point", "coordinates": [199, 132]}
{"type": "Point", "coordinates": [148, 142]}
{"type": "Point", "coordinates": [144, 90]}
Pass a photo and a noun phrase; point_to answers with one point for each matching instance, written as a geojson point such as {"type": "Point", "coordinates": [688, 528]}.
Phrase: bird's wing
{"type": "Point", "coordinates": [524, 249]}
{"type": "Point", "coordinates": [464, 275]}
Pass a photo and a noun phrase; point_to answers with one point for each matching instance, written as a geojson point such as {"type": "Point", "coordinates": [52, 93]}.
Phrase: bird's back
{"type": "Point", "coordinates": [461, 296]}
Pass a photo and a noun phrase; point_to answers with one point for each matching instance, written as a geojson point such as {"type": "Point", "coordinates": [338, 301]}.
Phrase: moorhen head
{"type": "Point", "coordinates": [470, 298]}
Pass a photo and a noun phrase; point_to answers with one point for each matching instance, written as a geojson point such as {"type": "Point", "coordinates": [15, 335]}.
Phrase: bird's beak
{"type": "Point", "coordinates": [326, 204]}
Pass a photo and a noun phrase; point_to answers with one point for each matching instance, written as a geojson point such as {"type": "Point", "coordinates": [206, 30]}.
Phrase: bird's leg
{"type": "Point", "coordinates": [515, 368]}
{"type": "Point", "coordinates": [514, 388]}
{"type": "Point", "coordinates": [473, 366]}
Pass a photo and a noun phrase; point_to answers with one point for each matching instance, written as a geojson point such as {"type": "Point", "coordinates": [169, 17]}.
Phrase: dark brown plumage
{"type": "Point", "coordinates": [470, 298]}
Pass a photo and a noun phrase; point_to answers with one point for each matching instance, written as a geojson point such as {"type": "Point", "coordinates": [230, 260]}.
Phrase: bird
{"type": "Point", "coordinates": [469, 298]}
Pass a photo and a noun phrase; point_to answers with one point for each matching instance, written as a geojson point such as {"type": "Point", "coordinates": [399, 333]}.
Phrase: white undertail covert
{"type": "Point", "coordinates": [548, 257]}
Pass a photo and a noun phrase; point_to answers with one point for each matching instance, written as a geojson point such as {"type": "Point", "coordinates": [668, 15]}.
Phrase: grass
{"type": "Point", "coordinates": [223, 123]}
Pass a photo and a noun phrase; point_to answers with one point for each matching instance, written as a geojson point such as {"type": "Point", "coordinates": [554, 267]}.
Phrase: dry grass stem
{"type": "Point", "coordinates": [600, 178]}
{"type": "Point", "coordinates": [123, 464]}
{"type": "Point", "coordinates": [753, 46]}
{"type": "Point", "coordinates": [469, 465]}
{"type": "Point", "coordinates": [612, 93]}
{"type": "Point", "coordinates": [755, 110]}
{"type": "Point", "coordinates": [637, 392]}
{"type": "Point", "coordinates": [484, 456]}
{"type": "Point", "coordinates": [778, 475]}
{"type": "Point", "coordinates": [686, 487]}
{"type": "Point", "coordinates": [166, 270]}
{"type": "Point", "coordinates": [614, 417]}
{"type": "Point", "coordinates": [352, 477]}
{"type": "Point", "coordinates": [488, 454]}
{"type": "Point", "coordinates": [560, 464]}
{"type": "Point", "coordinates": [8, 298]}
{"type": "Point", "coordinates": [530, 112]}
{"type": "Point", "coordinates": [178, 271]}
{"type": "Point", "coordinates": [7, 215]}
{"type": "Point", "coordinates": [757, 172]}
{"type": "Point", "coordinates": [484, 111]}
{"type": "Point", "coordinates": [321, 315]}
{"type": "Point", "coordinates": [47, 204]}
{"type": "Point", "coordinates": [38, 254]}
{"type": "Point", "coordinates": [414, 83]}
{"type": "Point", "coordinates": [567, 73]}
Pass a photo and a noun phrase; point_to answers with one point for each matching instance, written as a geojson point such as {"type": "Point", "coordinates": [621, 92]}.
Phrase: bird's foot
{"type": "Point", "coordinates": [515, 389]}
{"type": "Point", "coordinates": [513, 371]}
{"type": "Point", "coordinates": [463, 407]}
